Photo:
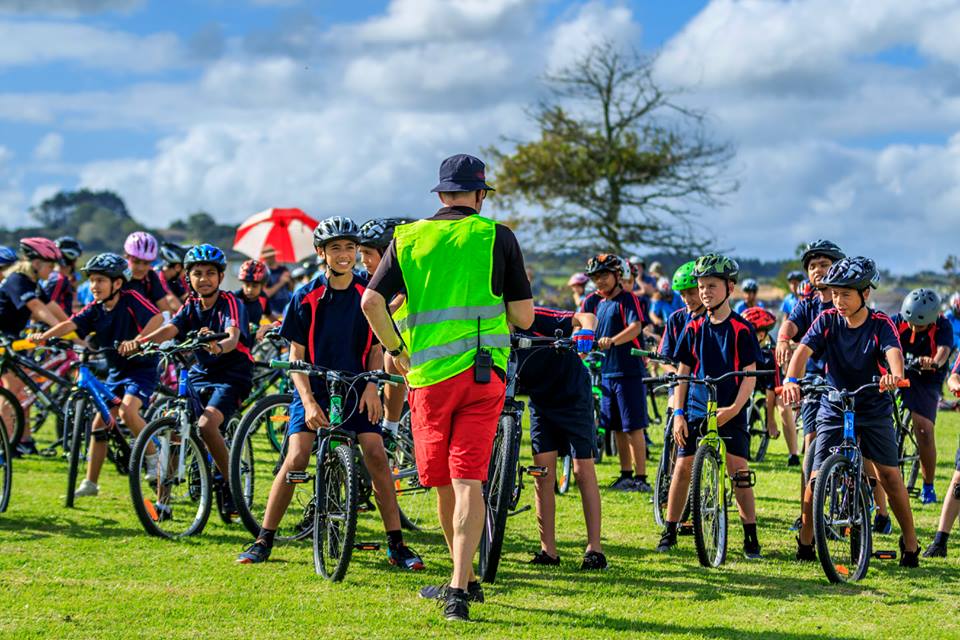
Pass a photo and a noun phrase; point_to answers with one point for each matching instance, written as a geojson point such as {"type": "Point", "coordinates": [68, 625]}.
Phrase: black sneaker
{"type": "Point", "coordinates": [255, 554]}
{"type": "Point", "coordinates": [405, 558]}
{"type": "Point", "coordinates": [882, 524]}
{"type": "Point", "coordinates": [27, 448]}
{"type": "Point", "coordinates": [542, 557]}
{"type": "Point", "coordinates": [751, 550]}
{"type": "Point", "coordinates": [935, 550]}
{"type": "Point", "coordinates": [667, 541]}
{"type": "Point", "coordinates": [623, 484]}
{"type": "Point", "coordinates": [456, 605]}
{"type": "Point", "coordinates": [805, 552]}
{"type": "Point", "coordinates": [439, 592]}
{"type": "Point", "coordinates": [593, 560]}
{"type": "Point", "coordinates": [909, 559]}
{"type": "Point", "coordinates": [793, 461]}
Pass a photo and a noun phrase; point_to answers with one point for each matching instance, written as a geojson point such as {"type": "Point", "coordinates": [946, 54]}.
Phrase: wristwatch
{"type": "Point", "coordinates": [396, 352]}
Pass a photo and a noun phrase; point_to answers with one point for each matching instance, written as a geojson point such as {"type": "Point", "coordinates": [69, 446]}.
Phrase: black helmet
{"type": "Point", "coordinates": [716, 265]}
{"type": "Point", "coordinates": [853, 273]}
{"type": "Point", "coordinates": [921, 306]}
{"type": "Point", "coordinates": [69, 247]}
{"type": "Point", "coordinates": [750, 285]}
{"type": "Point", "coordinates": [171, 253]}
{"type": "Point", "coordinates": [378, 233]}
{"type": "Point", "coordinates": [604, 262]}
{"type": "Point", "coordinates": [821, 248]}
{"type": "Point", "coordinates": [107, 264]}
{"type": "Point", "coordinates": [796, 276]}
{"type": "Point", "coordinates": [335, 228]}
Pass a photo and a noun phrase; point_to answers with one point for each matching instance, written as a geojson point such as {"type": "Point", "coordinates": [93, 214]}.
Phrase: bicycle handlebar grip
{"type": "Point", "coordinates": [903, 384]}
{"type": "Point", "coordinates": [280, 364]}
{"type": "Point", "coordinates": [392, 379]}
{"type": "Point", "coordinates": [210, 337]}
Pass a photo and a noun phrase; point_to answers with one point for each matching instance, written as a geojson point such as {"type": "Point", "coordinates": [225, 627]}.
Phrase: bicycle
{"type": "Point", "coordinates": [711, 488]}
{"type": "Point", "coordinates": [908, 451]}
{"type": "Point", "coordinates": [341, 483]}
{"type": "Point", "coordinates": [757, 425]}
{"type": "Point", "coordinates": [593, 361]}
{"type": "Point", "coordinates": [176, 480]}
{"type": "Point", "coordinates": [843, 499]}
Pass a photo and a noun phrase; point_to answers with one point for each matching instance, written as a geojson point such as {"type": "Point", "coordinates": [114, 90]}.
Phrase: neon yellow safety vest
{"type": "Point", "coordinates": [450, 306]}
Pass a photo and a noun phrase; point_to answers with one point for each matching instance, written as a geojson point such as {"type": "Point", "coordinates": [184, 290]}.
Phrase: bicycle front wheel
{"type": "Point", "coordinates": [498, 490]}
{"type": "Point", "coordinates": [82, 414]}
{"type": "Point", "coordinates": [709, 506]}
{"type": "Point", "coordinates": [335, 515]}
{"type": "Point", "coordinates": [6, 468]}
{"type": "Point", "coordinates": [841, 521]}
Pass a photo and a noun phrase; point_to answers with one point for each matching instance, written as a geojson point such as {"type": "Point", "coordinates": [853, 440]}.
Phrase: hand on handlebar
{"type": "Point", "coordinates": [584, 339]}
{"type": "Point", "coordinates": [37, 337]}
{"type": "Point", "coordinates": [604, 343]}
{"type": "Point", "coordinates": [926, 362]}
{"type": "Point", "coordinates": [889, 382]}
{"type": "Point", "coordinates": [128, 347]}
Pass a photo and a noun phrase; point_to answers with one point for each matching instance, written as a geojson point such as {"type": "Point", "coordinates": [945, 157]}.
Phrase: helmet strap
{"type": "Point", "coordinates": [726, 296]}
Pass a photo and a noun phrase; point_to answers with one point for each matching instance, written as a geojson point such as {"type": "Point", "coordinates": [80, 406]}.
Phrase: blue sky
{"type": "Point", "coordinates": [844, 113]}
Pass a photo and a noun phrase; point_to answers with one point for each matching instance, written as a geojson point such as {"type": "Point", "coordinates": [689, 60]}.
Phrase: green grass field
{"type": "Point", "coordinates": [91, 572]}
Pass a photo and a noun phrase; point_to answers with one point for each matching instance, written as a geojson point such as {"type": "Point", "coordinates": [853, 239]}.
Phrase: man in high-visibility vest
{"type": "Point", "coordinates": [465, 284]}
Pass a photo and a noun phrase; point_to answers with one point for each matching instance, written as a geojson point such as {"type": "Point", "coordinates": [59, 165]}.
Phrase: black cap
{"type": "Point", "coordinates": [462, 172]}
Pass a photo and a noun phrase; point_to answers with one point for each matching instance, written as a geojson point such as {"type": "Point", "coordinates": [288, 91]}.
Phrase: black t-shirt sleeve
{"type": "Point", "coordinates": [388, 279]}
{"type": "Point", "coordinates": [509, 273]}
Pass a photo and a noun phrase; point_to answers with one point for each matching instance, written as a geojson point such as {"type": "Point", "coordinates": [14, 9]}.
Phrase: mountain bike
{"type": "Point", "coordinates": [908, 452]}
{"type": "Point", "coordinates": [711, 488]}
{"type": "Point", "coordinates": [843, 499]}
{"type": "Point", "coordinates": [565, 478]}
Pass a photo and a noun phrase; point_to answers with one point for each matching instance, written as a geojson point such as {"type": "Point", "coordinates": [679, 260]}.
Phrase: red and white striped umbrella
{"type": "Point", "coordinates": [289, 231]}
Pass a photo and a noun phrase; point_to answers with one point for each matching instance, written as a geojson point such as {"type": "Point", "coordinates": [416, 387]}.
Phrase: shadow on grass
{"type": "Point", "coordinates": [38, 527]}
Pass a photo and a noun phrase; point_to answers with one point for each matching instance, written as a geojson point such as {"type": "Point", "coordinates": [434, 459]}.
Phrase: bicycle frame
{"type": "Point", "coordinates": [19, 366]}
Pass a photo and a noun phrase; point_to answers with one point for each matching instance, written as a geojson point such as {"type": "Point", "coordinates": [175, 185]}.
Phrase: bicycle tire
{"type": "Point", "coordinates": [757, 425]}
{"type": "Point", "coordinates": [909, 453]}
{"type": "Point", "coordinates": [336, 485]}
{"type": "Point", "coordinates": [565, 477]}
{"type": "Point", "coordinates": [416, 503]}
{"type": "Point", "coordinates": [82, 414]}
{"type": "Point", "coordinates": [19, 419]}
{"type": "Point", "coordinates": [6, 468]}
{"type": "Point", "coordinates": [599, 444]}
{"type": "Point", "coordinates": [709, 508]}
{"type": "Point", "coordinates": [198, 484]}
{"type": "Point", "coordinates": [498, 493]}
{"type": "Point", "coordinates": [661, 484]}
{"type": "Point", "coordinates": [824, 529]}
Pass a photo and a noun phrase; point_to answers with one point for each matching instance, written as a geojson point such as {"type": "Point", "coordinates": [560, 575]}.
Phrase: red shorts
{"type": "Point", "coordinates": [453, 425]}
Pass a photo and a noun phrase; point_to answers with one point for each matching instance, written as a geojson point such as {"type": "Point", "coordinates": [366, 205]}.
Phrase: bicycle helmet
{"type": "Point", "coordinates": [921, 307]}
{"type": "Point", "coordinates": [718, 266]}
{"type": "Point", "coordinates": [108, 264]}
{"type": "Point", "coordinates": [955, 301]}
{"type": "Point", "coordinates": [629, 270]}
{"type": "Point", "coordinates": [335, 228]}
{"type": "Point", "coordinates": [40, 249]}
{"type": "Point", "coordinates": [823, 248]}
{"type": "Point", "coordinates": [205, 254]}
{"type": "Point", "coordinates": [683, 277]}
{"type": "Point", "coordinates": [796, 276]}
{"type": "Point", "coordinates": [750, 286]}
{"type": "Point", "coordinates": [378, 233]}
{"type": "Point", "coordinates": [7, 256]}
{"type": "Point", "coordinates": [141, 245]}
{"type": "Point", "coordinates": [171, 253]}
{"type": "Point", "coordinates": [253, 271]}
{"type": "Point", "coordinates": [69, 247]}
{"type": "Point", "coordinates": [806, 289]}
{"type": "Point", "coordinates": [853, 273]}
{"type": "Point", "coordinates": [604, 262]}
{"type": "Point", "coordinates": [663, 285]}
{"type": "Point", "coordinates": [578, 279]}
{"type": "Point", "coordinates": [760, 318]}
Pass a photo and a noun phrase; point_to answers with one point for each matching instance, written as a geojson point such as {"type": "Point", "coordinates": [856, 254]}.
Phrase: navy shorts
{"type": "Point", "coordinates": [922, 399]}
{"type": "Point", "coordinates": [878, 442]}
{"type": "Point", "coordinates": [808, 414]}
{"type": "Point", "coordinates": [355, 421]}
{"type": "Point", "coordinates": [735, 437]}
{"type": "Point", "coordinates": [623, 405]}
{"type": "Point", "coordinates": [563, 429]}
{"type": "Point", "coordinates": [225, 397]}
{"type": "Point", "coordinates": [140, 383]}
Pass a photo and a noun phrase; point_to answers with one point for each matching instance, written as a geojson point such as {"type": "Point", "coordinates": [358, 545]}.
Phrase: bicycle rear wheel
{"type": "Point", "coordinates": [757, 424]}
{"type": "Point", "coordinates": [841, 521]}
{"type": "Point", "coordinates": [6, 468]}
{"type": "Point", "coordinates": [909, 462]}
{"type": "Point", "coordinates": [498, 494]}
{"type": "Point", "coordinates": [82, 414]}
{"type": "Point", "coordinates": [172, 492]}
{"type": "Point", "coordinates": [15, 430]}
{"type": "Point", "coordinates": [335, 516]}
{"type": "Point", "coordinates": [709, 507]}
{"type": "Point", "coordinates": [661, 485]}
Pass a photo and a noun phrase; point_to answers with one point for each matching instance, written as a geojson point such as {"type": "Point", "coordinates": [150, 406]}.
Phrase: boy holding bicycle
{"type": "Point", "coordinates": [712, 345]}
{"type": "Point", "coordinates": [855, 344]}
{"type": "Point", "coordinates": [326, 327]}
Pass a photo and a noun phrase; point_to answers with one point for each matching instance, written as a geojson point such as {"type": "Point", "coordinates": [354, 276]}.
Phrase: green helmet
{"type": "Point", "coordinates": [683, 277]}
{"type": "Point", "coordinates": [714, 264]}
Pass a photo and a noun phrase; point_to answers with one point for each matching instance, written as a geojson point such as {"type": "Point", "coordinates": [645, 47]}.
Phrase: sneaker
{"type": "Point", "coordinates": [667, 542]}
{"type": "Point", "coordinates": [456, 605]}
{"type": "Point", "coordinates": [593, 560]}
{"type": "Point", "coordinates": [793, 461]}
{"type": "Point", "coordinates": [87, 489]}
{"type": "Point", "coordinates": [805, 552]}
{"type": "Point", "coordinates": [27, 448]}
{"type": "Point", "coordinates": [929, 495]}
{"type": "Point", "coordinates": [439, 592]}
{"type": "Point", "coordinates": [623, 484]}
{"type": "Point", "coordinates": [751, 550]}
{"type": "Point", "coordinates": [642, 486]}
{"type": "Point", "coordinates": [405, 558]}
{"type": "Point", "coordinates": [542, 557]}
{"type": "Point", "coordinates": [797, 524]}
{"type": "Point", "coordinates": [935, 550]}
{"type": "Point", "coordinates": [909, 559]}
{"type": "Point", "coordinates": [882, 524]}
{"type": "Point", "coordinates": [150, 463]}
{"type": "Point", "coordinates": [255, 554]}
{"type": "Point", "coordinates": [164, 512]}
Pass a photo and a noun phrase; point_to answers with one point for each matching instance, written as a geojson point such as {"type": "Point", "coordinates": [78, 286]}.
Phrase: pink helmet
{"type": "Point", "coordinates": [40, 249]}
{"type": "Point", "coordinates": [141, 245]}
{"type": "Point", "coordinates": [578, 278]}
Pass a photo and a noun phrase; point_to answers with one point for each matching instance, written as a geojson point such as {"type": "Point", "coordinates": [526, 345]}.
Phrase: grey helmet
{"type": "Point", "coordinates": [921, 307]}
{"type": "Point", "coordinates": [335, 228]}
{"type": "Point", "coordinates": [853, 273]}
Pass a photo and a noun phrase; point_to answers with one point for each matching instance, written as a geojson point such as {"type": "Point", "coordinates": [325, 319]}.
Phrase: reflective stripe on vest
{"type": "Point", "coordinates": [441, 315]}
{"type": "Point", "coordinates": [457, 347]}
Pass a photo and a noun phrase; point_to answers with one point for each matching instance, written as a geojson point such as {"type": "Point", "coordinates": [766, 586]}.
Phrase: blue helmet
{"type": "Point", "coordinates": [7, 256]}
{"type": "Point", "coordinates": [750, 285]}
{"type": "Point", "coordinates": [205, 254]}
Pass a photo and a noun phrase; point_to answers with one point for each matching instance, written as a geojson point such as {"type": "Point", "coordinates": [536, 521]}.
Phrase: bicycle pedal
{"type": "Point", "coordinates": [885, 555]}
{"type": "Point", "coordinates": [913, 493]}
{"type": "Point", "coordinates": [298, 477]}
{"type": "Point", "coordinates": [365, 507]}
{"type": "Point", "coordinates": [536, 472]}
{"type": "Point", "coordinates": [744, 479]}
{"type": "Point", "coordinates": [366, 546]}
{"type": "Point", "coordinates": [519, 511]}
{"type": "Point", "coordinates": [685, 529]}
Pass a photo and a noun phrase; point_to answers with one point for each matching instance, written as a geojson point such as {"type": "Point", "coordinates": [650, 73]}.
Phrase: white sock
{"type": "Point", "coordinates": [391, 425]}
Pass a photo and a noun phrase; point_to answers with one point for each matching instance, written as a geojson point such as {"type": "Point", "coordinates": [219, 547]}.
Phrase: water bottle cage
{"type": "Point", "coordinates": [744, 479]}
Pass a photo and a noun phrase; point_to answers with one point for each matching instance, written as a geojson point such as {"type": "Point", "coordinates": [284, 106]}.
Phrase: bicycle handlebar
{"type": "Point", "coordinates": [301, 366]}
{"type": "Point", "coordinates": [826, 388]}
{"type": "Point", "coordinates": [653, 355]}
{"type": "Point", "coordinates": [672, 378]}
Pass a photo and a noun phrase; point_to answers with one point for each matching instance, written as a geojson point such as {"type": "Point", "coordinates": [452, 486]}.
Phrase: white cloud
{"type": "Point", "coordinates": [419, 21]}
{"type": "Point", "coordinates": [11, 196]}
{"type": "Point", "coordinates": [49, 148]}
{"type": "Point", "coordinates": [591, 25]}
{"type": "Point", "coordinates": [67, 7]}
